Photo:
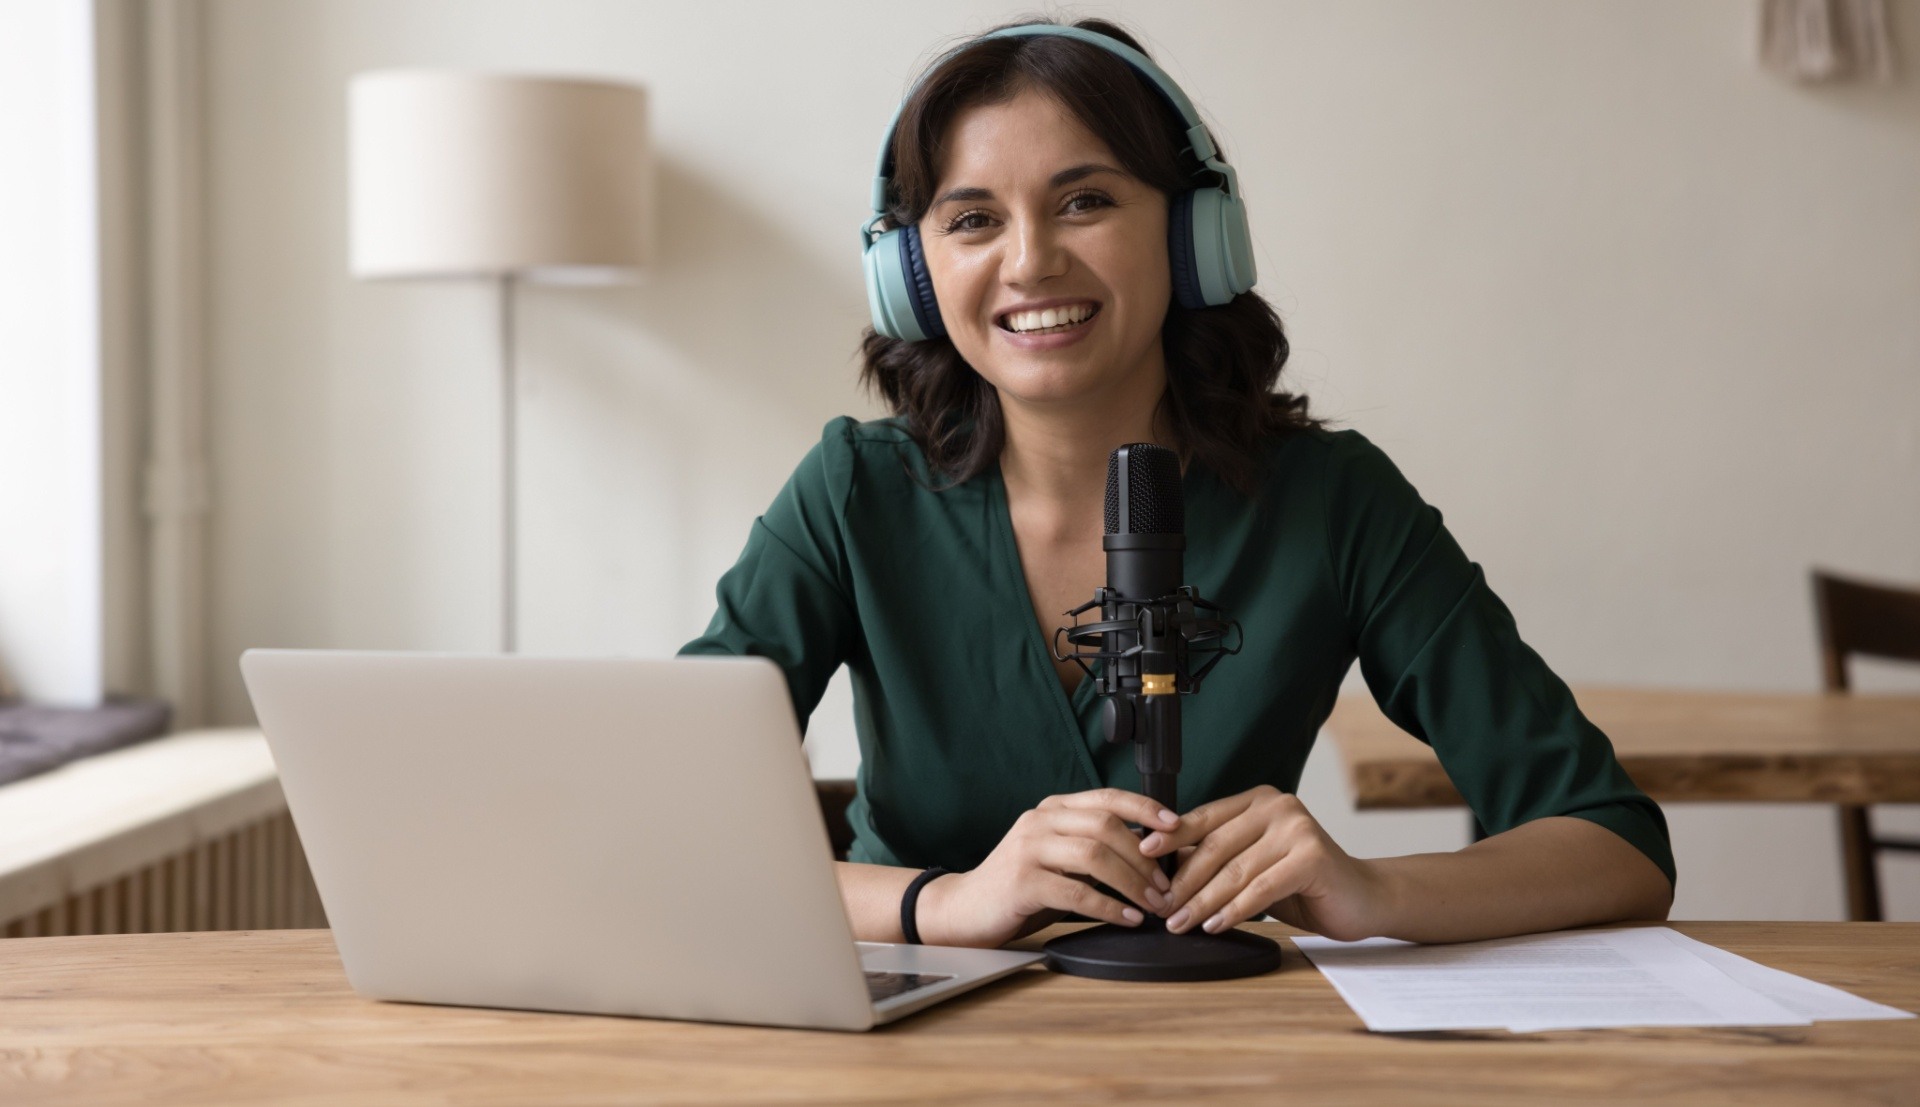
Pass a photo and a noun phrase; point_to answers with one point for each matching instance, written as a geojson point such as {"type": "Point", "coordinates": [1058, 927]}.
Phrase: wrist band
{"type": "Point", "coordinates": [908, 926]}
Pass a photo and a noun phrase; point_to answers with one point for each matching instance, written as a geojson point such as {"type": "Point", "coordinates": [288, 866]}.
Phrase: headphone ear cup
{"type": "Point", "coordinates": [926, 309]}
{"type": "Point", "coordinates": [1221, 261]}
{"type": "Point", "coordinates": [899, 289]}
{"type": "Point", "coordinates": [1186, 289]}
{"type": "Point", "coordinates": [887, 289]}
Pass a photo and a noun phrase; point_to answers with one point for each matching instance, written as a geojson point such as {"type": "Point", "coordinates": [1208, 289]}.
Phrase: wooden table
{"type": "Point", "coordinates": [1682, 747]}
{"type": "Point", "coordinates": [266, 1017]}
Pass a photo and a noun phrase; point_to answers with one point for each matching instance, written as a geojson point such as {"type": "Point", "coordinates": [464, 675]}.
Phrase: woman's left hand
{"type": "Point", "coordinates": [1261, 851]}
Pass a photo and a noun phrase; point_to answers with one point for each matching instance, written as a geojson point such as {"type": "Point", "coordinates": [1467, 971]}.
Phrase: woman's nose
{"type": "Point", "coordinates": [1035, 253]}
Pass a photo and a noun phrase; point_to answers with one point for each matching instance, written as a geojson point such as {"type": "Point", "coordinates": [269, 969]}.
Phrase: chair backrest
{"type": "Point", "coordinates": [834, 796]}
{"type": "Point", "coordinates": [1872, 620]}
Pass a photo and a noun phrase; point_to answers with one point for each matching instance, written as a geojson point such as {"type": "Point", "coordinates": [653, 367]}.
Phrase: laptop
{"type": "Point", "coordinates": [621, 837]}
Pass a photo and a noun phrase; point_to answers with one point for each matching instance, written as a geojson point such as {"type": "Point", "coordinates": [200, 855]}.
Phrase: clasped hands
{"type": "Point", "coordinates": [1258, 851]}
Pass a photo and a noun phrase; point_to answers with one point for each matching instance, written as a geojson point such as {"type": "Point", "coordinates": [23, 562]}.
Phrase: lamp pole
{"type": "Point", "coordinates": [509, 486]}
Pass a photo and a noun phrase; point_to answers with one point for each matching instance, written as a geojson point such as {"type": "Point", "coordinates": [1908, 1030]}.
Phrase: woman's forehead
{"type": "Point", "coordinates": [1024, 140]}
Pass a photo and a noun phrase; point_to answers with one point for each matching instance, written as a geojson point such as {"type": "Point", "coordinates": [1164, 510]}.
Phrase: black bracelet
{"type": "Point", "coordinates": [911, 897]}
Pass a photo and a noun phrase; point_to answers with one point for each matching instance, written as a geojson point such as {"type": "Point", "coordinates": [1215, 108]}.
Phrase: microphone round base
{"type": "Point", "coordinates": [1147, 952]}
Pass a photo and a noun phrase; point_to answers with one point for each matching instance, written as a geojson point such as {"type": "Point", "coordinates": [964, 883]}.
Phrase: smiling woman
{"type": "Point", "coordinates": [1089, 156]}
{"type": "Point", "coordinates": [1062, 267]}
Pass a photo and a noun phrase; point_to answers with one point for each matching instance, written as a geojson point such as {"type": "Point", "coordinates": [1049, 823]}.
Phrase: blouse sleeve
{"type": "Point", "coordinates": [788, 597]}
{"type": "Point", "coordinates": [1444, 660]}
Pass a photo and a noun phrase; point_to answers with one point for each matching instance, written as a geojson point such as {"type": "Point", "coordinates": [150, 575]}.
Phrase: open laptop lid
{"type": "Point", "coordinates": [616, 836]}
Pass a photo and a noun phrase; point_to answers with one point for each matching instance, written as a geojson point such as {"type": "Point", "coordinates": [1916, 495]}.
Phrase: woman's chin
{"type": "Point", "coordinates": [1050, 392]}
{"type": "Point", "coordinates": [1050, 381]}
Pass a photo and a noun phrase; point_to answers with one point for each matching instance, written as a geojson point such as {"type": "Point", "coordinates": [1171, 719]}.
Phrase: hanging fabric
{"type": "Point", "coordinates": [1827, 40]}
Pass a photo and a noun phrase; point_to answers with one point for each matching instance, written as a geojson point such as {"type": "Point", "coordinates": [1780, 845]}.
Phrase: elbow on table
{"type": "Point", "coordinates": [1656, 901]}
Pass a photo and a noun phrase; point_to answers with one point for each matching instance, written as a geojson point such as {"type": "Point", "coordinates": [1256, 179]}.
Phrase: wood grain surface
{"type": "Point", "coordinates": [267, 1017]}
{"type": "Point", "coordinates": [1682, 747]}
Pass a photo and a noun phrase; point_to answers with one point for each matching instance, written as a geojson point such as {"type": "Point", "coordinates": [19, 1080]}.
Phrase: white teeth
{"type": "Point", "coordinates": [1027, 321]}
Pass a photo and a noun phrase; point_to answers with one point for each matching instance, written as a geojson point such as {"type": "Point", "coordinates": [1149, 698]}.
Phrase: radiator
{"type": "Point", "coordinates": [254, 878]}
{"type": "Point", "coordinates": [187, 832]}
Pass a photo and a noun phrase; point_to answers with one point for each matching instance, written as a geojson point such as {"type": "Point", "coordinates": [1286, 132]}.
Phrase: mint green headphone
{"type": "Point", "coordinates": [1208, 245]}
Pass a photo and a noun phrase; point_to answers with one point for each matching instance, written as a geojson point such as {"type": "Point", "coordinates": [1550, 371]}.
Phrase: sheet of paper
{"type": "Point", "coordinates": [1817, 1001]}
{"type": "Point", "coordinates": [1563, 980]}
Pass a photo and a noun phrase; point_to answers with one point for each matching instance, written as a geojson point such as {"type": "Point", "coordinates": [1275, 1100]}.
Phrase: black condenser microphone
{"type": "Point", "coordinates": [1151, 627]}
{"type": "Point", "coordinates": [1146, 521]}
{"type": "Point", "coordinates": [1146, 546]}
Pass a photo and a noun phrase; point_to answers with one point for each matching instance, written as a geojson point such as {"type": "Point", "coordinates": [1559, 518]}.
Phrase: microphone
{"type": "Point", "coordinates": [1146, 546]}
{"type": "Point", "coordinates": [1151, 625]}
{"type": "Point", "coordinates": [1151, 628]}
{"type": "Point", "coordinates": [1146, 521]}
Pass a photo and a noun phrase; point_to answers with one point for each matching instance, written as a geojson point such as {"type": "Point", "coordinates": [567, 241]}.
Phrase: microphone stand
{"type": "Point", "coordinates": [1146, 643]}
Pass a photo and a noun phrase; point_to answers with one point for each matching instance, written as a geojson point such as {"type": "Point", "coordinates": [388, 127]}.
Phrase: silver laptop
{"type": "Point", "coordinates": [618, 837]}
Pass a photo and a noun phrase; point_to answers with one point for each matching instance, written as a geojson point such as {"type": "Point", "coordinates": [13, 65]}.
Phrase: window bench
{"type": "Point", "coordinates": [184, 832]}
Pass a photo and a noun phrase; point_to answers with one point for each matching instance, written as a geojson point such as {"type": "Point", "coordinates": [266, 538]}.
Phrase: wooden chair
{"type": "Point", "coordinates": [834, 796]}
{"type": "Point", "coordinates": [1871, 620]}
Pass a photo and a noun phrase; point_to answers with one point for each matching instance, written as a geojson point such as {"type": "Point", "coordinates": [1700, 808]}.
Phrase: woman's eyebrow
{"type": "Point", "coordinates": [1064, 177]}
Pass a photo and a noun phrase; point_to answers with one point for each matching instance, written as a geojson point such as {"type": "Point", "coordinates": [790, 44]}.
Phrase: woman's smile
{"type": "Point", "coordinates": [1050, 327]}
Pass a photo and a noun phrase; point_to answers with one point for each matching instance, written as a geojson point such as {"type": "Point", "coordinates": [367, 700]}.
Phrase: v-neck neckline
{"type": "Point", "coordinates": [1070, 705]}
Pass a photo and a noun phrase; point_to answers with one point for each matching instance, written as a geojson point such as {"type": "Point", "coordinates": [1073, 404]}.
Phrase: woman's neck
{"type": "Point", "coordinates": [1054, 460]}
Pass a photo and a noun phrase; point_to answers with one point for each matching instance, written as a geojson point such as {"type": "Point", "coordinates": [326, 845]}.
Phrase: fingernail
{"type": "Point", "coordinates": [1214, 924]}
{"type": "Point", "coordinates": [1161, 882]}
{"type": "Point", "coordinates": [1168, 817]}
{"type": "Point", "coordinates": [1152, 842]}
{"type": "Point", "coordinates": [1155, 900]}
{"type": "Point", "coordinates": [1179, 919]}
{"type": "Point", "coordinates": [1132, 914]}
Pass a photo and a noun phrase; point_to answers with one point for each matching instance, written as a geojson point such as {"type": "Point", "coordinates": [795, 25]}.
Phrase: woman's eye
{"type": "Point", "coordinates": [1094, 200]}
{"type": "Point", "coordinates": [960, 222]}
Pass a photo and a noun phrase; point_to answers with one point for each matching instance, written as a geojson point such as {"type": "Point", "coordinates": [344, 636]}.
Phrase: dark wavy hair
{"type": "Point", "coordinates": [1222, 362]}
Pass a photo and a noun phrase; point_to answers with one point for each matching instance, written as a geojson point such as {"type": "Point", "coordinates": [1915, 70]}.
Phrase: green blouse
{"type": "Point", "coordinates": [962, 719]}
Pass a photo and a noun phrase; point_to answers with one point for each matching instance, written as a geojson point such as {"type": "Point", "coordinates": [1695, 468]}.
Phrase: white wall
{"type": "Point", "coordinates": [1639, 317]}
{"type": "Point", "coordinates": [50, 388]}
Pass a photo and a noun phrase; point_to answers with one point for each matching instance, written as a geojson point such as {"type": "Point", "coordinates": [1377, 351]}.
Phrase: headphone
{"type": "Point", "coordinates": [1209, 247]}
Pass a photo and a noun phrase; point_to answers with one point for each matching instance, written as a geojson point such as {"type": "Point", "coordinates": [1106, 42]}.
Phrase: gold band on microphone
{"type": "Point", "coordinates": [1156, 684]}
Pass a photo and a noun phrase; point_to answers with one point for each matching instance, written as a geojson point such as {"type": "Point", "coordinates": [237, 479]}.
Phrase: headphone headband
{"type": "Point", "coordinates": [1197, 139]}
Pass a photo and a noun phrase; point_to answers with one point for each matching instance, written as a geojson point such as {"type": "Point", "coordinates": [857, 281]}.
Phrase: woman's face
{"type": "Point", "coordinates": [1033, 214]}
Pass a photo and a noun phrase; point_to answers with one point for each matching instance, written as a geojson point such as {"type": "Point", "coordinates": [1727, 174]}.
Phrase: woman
{"type": "Point", "coordinates": [933, 552]}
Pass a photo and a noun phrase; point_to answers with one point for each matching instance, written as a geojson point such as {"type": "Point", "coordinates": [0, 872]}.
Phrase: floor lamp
{"type": "Point", "coordinates": [504, 178]}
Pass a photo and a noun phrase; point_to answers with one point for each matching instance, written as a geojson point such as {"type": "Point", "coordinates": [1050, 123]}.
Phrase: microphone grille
{"type": "Point", "coordinates": [1153, 502]}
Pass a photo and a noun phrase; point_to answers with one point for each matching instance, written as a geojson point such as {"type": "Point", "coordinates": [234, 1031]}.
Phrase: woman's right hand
{"type": "Point", "coordinates": [1043, 869]}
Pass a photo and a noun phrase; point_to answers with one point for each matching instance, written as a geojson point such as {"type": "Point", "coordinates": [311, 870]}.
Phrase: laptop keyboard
{"type": "Point", "coordinates": [886, 985]}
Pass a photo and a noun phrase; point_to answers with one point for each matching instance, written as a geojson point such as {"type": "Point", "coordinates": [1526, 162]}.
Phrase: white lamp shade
{"type": "Point", "coordinates": [471, 174]}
